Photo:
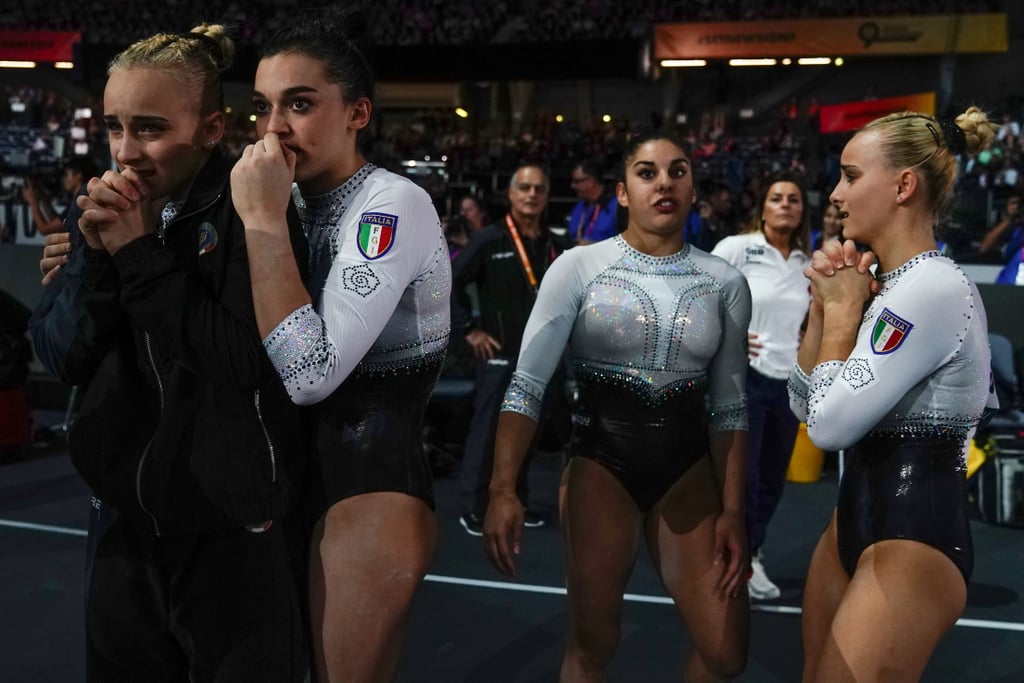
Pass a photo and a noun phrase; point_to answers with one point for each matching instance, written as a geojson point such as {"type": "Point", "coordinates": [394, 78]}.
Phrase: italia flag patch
{"type": "Point", "coordinates": [889, 332]}
{"type": "Point", "coordinates": [376, 234]}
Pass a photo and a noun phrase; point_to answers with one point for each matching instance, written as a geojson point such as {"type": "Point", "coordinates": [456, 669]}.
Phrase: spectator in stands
{"type": "Point", "coordinates": [472, 217]}
{"type": "Point", "coordinates": [715, 203]}
{"type": "Point", "coordinates": [831, 228]}
{"type": "Point", "coordinates": [1006, 237]}
{"type": "Point", "coordinates": [772, 254]}
{"type": "Point", "coordinates": [44, 216]}
{"type": "Point", "coordinates": [473, 212]}
{"type": "Point", "coordinates": [593, 218]}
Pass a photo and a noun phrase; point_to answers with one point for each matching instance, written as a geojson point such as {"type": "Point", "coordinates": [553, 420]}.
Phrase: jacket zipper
{"type": "Point", "coordinates": [266, 435]}
{"type": "Point", "coordinates": [161, 231]}
{"type": "Point", "coordinates": [142, 460]}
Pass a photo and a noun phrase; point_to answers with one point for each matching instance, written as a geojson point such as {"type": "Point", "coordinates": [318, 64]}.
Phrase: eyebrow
{"type": "Point", "coordinates": [137, 119]}
{"type": "Point", "coordinates": [846, 167]}
{"type": "Point", "coordinates": [288, 92]}
{"type": "Point", "coordinates": [681, 160]}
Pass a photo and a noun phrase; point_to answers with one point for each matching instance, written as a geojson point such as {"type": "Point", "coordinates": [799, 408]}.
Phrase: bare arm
{"type": "Point", "coordinates": [261, 185]}
{"type": "Point", "coordinates": [503, 526]}
{"type": "Point", "coordinates": [43, 224]}
{"type": "Point", "coordinates": [729, 455]}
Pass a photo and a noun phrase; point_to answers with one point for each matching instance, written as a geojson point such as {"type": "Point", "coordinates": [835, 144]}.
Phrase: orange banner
{"type": "Point", "coordinates": [839, 118]}
{"type": "Point", "coordinates": [38, 46]}
{"type": "Point", "coordinates": [937, 34]}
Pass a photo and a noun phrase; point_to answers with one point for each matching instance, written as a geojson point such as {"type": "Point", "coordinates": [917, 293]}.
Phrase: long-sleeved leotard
{"type": "Point", "coordinates": [368, 350]}
{"type": "Point", "coordinates": [649, 337]}
{"type": "Point", "coordinates": [904, 405]}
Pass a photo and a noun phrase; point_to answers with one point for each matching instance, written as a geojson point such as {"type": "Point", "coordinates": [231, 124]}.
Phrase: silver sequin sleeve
{"type": "Point", "coordinates": [524, 396]}
{"type": "Point", "coordinates": [545, 336]}
{"type": "Point", "coordinates": [799, 387]}
{"type": "Point", "coordinates": [300, 350]}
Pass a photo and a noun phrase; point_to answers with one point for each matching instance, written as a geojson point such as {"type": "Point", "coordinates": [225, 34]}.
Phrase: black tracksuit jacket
{"type": "Point", "coordinates": [185, 426]}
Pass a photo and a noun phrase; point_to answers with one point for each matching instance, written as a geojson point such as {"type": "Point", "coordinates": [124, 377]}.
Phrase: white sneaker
{"type": "Point", "coordinates": [760, 586]}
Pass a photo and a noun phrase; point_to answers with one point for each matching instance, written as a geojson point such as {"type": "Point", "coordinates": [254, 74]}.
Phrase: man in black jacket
{"type": "Point", "coordinates": [505, 261]}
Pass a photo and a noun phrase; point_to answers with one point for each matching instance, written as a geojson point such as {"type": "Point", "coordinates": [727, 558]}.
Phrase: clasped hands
{"type": "Point", "coordinates": [841, 275]}
{"type": "Point", "coordinates": [117, 210]}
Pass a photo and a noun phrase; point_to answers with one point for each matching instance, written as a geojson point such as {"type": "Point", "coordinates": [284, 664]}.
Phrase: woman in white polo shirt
{"type": "Point", "coordinates": [772, 254]}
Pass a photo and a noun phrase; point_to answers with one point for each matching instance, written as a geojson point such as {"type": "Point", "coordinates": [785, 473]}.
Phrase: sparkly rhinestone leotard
{"type": "Point", "coordinates": [904, 405]}
{"type": "Point", "coordinates": [368, 350]}
{"type": "Point", "coordinates": [658, 349]}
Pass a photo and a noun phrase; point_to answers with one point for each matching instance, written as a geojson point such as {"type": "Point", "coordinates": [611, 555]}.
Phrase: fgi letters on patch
{"type": "Point", "coordinates": [889, 332]}
{"type": "Point", "coordinates": [376, 234]}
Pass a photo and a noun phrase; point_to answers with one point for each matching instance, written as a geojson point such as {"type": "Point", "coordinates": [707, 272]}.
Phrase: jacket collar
{"type": "Point", "coordinates": [211, 182]}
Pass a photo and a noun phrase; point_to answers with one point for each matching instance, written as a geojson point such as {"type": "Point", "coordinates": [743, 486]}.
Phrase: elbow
{"type": "Point", "coordinates": [826, 439]}
{"type": "Point", "coordinates": [307, 397]}
{"type": "Point", "coordinates": [304, 398]}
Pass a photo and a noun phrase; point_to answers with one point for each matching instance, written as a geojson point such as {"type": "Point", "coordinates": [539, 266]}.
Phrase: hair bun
{"type": "Point", "coordinates": [978, 131]}
{"type": "Point", "coordinates": [345, 20]}
{"type": "Point", "coordinates": [221, 47]}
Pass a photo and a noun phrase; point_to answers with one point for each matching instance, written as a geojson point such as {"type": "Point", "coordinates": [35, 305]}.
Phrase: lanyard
{"type": "Point", "coordinates": [593, 219]}
{"type": "Point", "coordinates": [527, 268]}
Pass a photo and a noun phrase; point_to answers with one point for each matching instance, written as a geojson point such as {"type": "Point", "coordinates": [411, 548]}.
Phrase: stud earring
{"type": "Point", "coordinates": [209, 143]}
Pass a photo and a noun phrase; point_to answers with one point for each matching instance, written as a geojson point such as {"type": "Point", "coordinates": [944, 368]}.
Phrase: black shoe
{"type": "Point", "coordinates": [473, 524]}
{"type": "Point", "coordinates": [532, 520]}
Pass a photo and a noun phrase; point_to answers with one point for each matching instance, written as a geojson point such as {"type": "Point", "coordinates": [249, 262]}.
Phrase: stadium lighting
{"type": "Point", "coordinates": [674, 63]}
{"type": "Point", "coordinates": [63, 65]}
{"type": "Point", "coordinates": [461, 113]}
{"type": "Point", "coordinates": [787, 61]}
{"type": "Point", "coordinates": [753, 62]}
{"type": "Point", "coordinates": [814, 61]}
{"type": "Point", "coordinates": [839, 61]}
{"type": "Point", "coordinates": [14, 64]}
{"type": "Point", "coordinates": [252, 118]}
{"type": "Point", "coordinates": [559, 118]}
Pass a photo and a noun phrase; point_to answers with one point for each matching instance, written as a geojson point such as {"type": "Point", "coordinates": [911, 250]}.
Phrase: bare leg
{"type": "Point", "coordinates": [681, 537]}
{"type": "Point", "coordinates": [904, 596]}
{"type": "Point", "coordinates": [367, 557]}
{"type": "Point", "coordinates": [601, 530]}
{"type": "Point", "coordinates": [826, 583]}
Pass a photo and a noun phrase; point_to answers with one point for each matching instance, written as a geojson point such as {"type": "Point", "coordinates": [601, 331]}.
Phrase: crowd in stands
{"type": "Point", "coordinates": [443, 22]}
{"type": "Point", "coordinates": [47, 127]}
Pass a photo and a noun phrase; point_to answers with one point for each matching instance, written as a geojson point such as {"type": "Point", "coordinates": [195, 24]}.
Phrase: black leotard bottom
{"type": "Point", "coordinates": [369, 438]}
{"type": "Point", "coordinates": [647, 448]}
{"type": "Point", "coordinates": [904, 488]}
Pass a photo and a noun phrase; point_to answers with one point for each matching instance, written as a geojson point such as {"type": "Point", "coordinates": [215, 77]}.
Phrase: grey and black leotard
{"type": "Point", "coordinates": [658, 345]}
{"type": "Point", "coordinates": [367, 352]}
{"type": "Point", "coordinates": [904, 406]}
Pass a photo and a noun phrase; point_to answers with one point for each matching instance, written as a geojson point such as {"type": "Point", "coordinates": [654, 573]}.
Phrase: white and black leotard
{"type": "Point", "coordinates": [368, 350]}
{"type": "Point", "coordinates": [650, 338]}
{"type": "Point", "coordinates": [904, 406]}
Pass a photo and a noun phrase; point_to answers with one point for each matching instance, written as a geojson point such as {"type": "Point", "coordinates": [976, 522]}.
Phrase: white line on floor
{"type": "Point", "coordinates": [547, 590]}
{"type": "Point", "coordinates": [43, 527]}
{"type": "Point", "coordinates": [664, 600]}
